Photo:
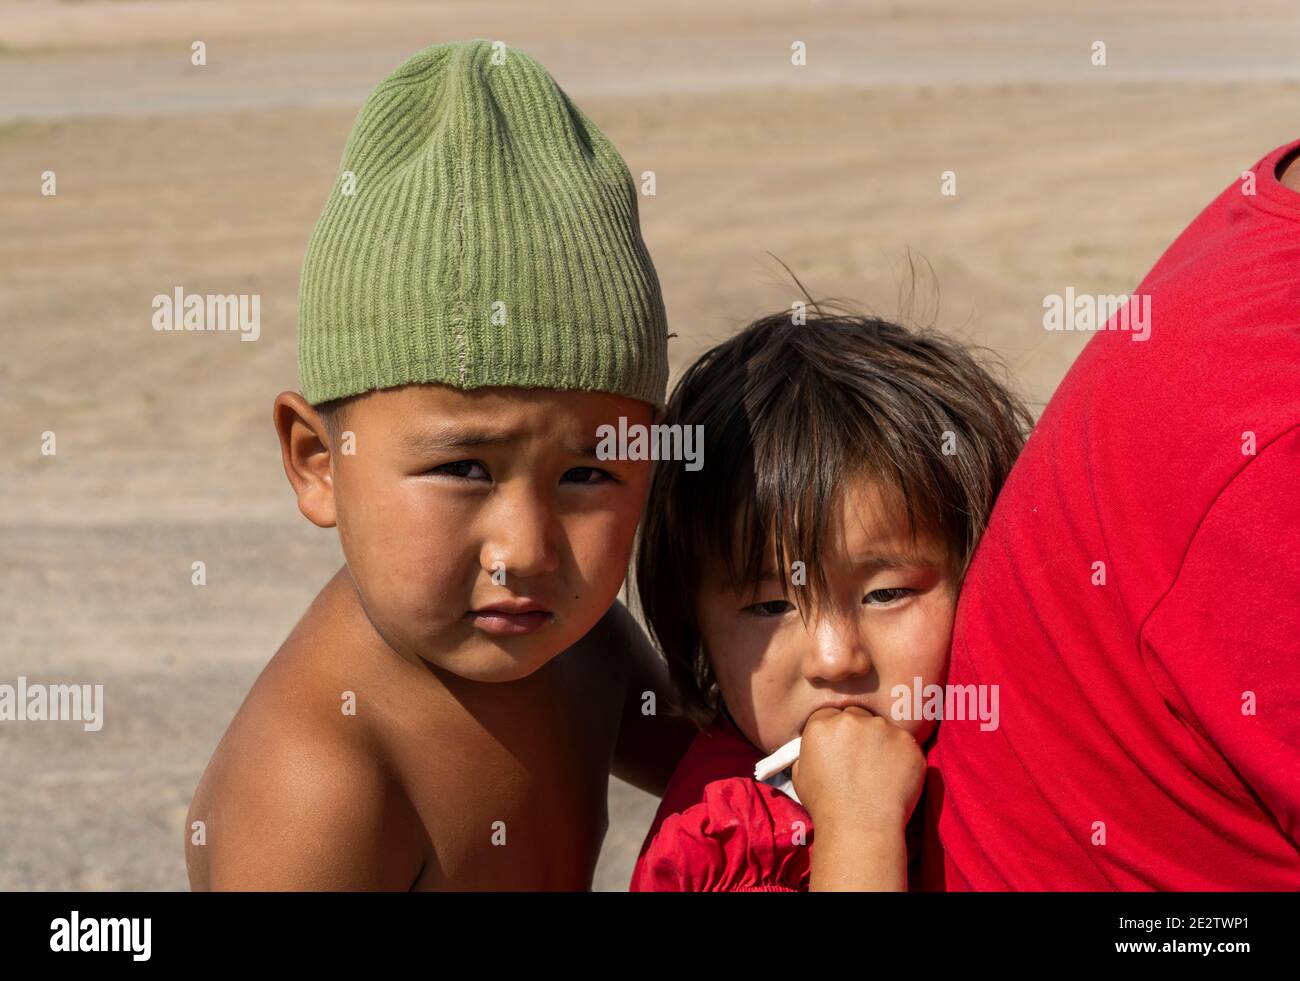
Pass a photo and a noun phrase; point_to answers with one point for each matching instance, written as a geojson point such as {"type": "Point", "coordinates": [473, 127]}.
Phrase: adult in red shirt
{"type": "Point", "coordinates": [1137, 594]}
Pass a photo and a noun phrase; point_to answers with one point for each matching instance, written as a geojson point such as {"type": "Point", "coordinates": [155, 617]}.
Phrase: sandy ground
{"type": "Point", "coordinates": [210, 178]}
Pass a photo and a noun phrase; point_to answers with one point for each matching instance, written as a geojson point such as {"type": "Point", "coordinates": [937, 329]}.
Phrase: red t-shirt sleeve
{"type": "Point", "coordinates": [743, 836]}
{"type": "Point", "coordinates": [1223, 645]}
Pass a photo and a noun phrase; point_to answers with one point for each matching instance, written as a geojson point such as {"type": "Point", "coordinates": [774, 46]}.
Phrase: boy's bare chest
{"type": "Point", "coordinates": [513, 796]}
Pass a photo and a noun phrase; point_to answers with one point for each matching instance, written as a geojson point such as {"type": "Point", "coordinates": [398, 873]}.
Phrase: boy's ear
{"type": "Point", "coordinates": [305, 452]}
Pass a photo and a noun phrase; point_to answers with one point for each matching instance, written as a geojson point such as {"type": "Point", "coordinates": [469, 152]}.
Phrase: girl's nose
{"type": "Point", "coordinates": [837, 650]}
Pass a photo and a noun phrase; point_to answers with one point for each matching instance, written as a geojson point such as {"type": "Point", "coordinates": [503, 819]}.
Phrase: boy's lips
{"type": "Point", "coordinates": [508, 618]}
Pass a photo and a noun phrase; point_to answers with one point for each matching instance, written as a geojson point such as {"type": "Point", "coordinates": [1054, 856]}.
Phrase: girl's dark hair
{"type": "Point", "coordinates": [789, 412]}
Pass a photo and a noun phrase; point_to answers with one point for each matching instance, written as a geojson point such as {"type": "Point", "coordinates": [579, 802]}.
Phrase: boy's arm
{"type": "Point", "coordinates": [308, 816]}
{"type": "Point", "coordinates": [649, 746]}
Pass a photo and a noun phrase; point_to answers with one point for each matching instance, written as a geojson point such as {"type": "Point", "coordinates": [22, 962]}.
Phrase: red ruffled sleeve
{"type": "Point", "coordinates": [744, 836]}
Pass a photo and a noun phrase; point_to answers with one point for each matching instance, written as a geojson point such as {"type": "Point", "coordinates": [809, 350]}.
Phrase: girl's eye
{"type": "Point", "coordinates": [883, 597]}
{"type": "Point", "coordinates": [586, 475]}
{"type": "Point", "coordinates": [463, 469]}
{"type": "Point", "coordinates": [772, 608]}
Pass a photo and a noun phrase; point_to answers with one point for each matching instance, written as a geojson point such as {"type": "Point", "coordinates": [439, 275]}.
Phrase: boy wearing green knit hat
{"type": "Point", "coordinates": [476, 304]}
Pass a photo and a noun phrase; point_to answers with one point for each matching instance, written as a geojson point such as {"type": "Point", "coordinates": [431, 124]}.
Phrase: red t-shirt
{"type": "Point", "coordinates": [1149, 732]}
{"type": "Point", "coordinates": [720, 830]}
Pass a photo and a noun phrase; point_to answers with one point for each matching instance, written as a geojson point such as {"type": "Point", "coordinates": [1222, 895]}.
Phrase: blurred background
{"type": "Point", "coordinates": [1067, 173]}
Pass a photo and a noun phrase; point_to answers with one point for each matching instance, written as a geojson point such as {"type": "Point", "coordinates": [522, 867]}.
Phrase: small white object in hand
{"type": "Point", "coordinates": [774, 770]}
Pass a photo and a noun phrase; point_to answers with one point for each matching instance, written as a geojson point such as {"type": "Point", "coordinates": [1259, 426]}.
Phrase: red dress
{"type": "Point", "coordinates": [720, 830]}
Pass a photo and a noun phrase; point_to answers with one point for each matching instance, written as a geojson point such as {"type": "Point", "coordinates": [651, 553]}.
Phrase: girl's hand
{"type": "Point", "coordinates": [858, 771]}
{"type": "Point", "coordinates": [860, 778]}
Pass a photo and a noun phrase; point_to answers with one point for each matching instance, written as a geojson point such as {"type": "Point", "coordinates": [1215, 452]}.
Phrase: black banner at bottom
{"type": "Point", "coordinates": [144, 931]}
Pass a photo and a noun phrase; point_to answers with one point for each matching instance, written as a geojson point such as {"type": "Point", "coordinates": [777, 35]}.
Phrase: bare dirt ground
{"type": "Point", "coordinates": [210, 178]}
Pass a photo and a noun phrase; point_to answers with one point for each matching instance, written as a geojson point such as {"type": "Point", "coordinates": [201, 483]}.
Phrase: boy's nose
{"type": "Point", "coordinates": [837, 650]}
{"type": "Point", "coordinates": [522, 541]}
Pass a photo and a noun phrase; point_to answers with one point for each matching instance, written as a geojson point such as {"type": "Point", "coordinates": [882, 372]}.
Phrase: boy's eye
{"type": "Point", "coordinates": [586, 475]}
{"type": "Point", "coordinates": [883, 597]}
{"type": "Point", "coordinates": [772, 608]}
{"type": "Point", "coordinates": [464, 469]}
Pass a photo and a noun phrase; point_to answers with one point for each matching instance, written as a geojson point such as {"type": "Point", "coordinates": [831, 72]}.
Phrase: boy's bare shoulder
{"type": "Point", "coordinates": [652, 737]}
{"type": "Point", "coordinates": [299, 795]}
{"type": "Point", "coordinates": [615, 651]}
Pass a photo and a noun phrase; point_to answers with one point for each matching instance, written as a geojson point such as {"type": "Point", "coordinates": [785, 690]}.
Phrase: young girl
{"type": "Point", "coordinates": [803, 584]}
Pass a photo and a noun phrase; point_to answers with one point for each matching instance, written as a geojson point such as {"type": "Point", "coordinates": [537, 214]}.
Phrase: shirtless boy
{"type": "Point", "coordinates": [476, 302]}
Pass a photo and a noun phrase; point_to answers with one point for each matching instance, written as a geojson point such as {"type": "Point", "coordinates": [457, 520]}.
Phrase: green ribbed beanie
{"type": "Point", "coordinates": [482, 231]}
